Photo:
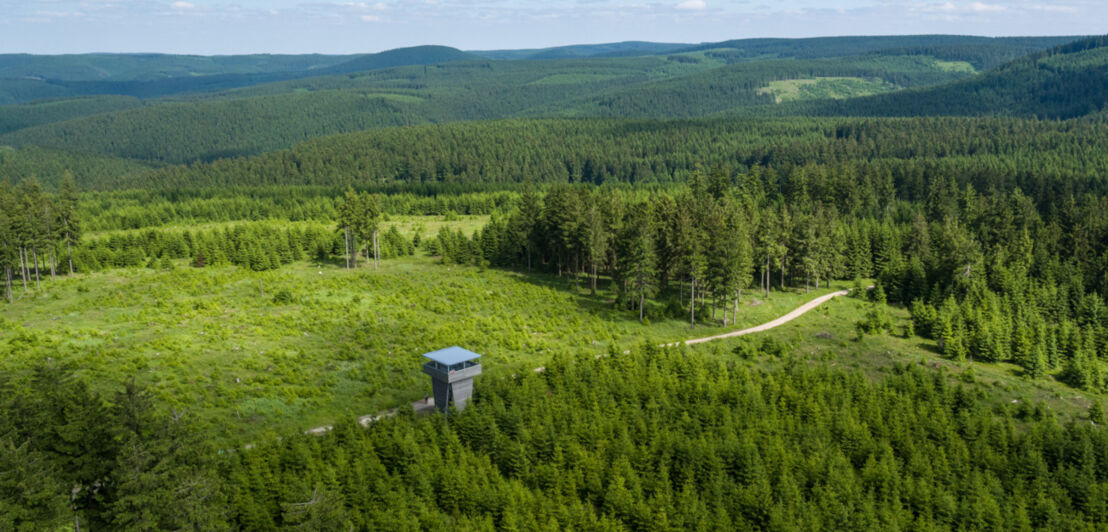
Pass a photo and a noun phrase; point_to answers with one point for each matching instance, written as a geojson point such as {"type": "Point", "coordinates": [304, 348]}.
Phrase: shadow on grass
{"type": "Point", "coordinates": [603, 305]}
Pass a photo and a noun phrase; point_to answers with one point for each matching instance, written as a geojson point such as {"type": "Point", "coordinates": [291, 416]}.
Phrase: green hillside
{"type": "Point", "coordinates": [28, 78]}
{"type": "Point", "coordinates": [739, 85]}
{"type": "Point", "coordinates": [651, 151]}
{"type": "Point", "coordinates": [48, 166]}
{"type": "Point", "coordinates": [618, 49]}
{"type": "Point", "coordinates": [25, 77]}
{"type": "Point", "coordinates": [138, 67]}
{"type": "Point", "coordinates": [1064, 82]}
{"type": "Point", "coordinates": [255, 119]}
{"type": "Point", "coordinates": [221, 118]}
{"type": "Point", "coordinates": [416, 55]}
{"type": "Point", "coordinates": [182, 132]}
{"type": "Point", "coordinates": [827, 47]}
{"type": "Point", "coordinates": [15, 117]}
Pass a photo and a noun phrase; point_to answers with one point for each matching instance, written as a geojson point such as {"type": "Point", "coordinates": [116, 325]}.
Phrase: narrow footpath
{"type": "Point", "coordinates": [420, 406]}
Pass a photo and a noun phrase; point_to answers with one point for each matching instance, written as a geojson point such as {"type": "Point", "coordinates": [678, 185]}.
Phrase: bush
{"type": "Point", "coordinates": [283, 297]}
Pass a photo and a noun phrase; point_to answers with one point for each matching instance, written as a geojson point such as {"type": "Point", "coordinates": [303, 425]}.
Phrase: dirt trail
{"type": "Point", "coordinates": [794, 314]}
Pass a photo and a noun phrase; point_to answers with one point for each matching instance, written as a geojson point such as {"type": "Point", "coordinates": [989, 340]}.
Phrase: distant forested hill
{"type": "Point", "coordinates": [48, 166]}
{"type": "Point", "coordinates": [255, 119]}
{"type": "Point", "coordinates": [27, 77]}
{"type": "Point", "coordinates": [617, 49]}
{"type": "Point", "coordinates": [737, 86]}
{"type": "Point", "coordinates": [825, 47]}
{"type": "Point", "coordinates": [189, 131]}
{"type": "Point", "coordinates": [16, 117]}
{"type": "Point", "coordinates": [1064, 82]}
{"type": "Point", "coordinates": [238, 113]}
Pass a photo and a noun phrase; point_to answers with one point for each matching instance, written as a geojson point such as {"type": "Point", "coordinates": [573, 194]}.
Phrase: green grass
{"type": "Point", "coordinates": [205, 341]}
{"type": "Point", "coordinates": [826, 337]}
{"type": "Point", "coordinates": [427, 226]}
{"type": "Point", "coordinates": [790, 90]}
{"type": "Point", "coordinates": [954, 66]}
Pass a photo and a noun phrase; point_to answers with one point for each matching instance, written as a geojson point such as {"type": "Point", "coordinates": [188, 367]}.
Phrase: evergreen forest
{"type": "Point", "coordinates": [853, 283]}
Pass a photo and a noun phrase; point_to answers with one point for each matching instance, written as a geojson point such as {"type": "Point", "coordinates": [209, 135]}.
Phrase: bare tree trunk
{"type": "Point", "coordinates": [807, 281]}
{"type": "Point", "coordinates": [782, 273]}
{"type": "Point", "coordinates": [766, 275]}
{"type": "Point", "coordinates": [69, 251]}
{"type": "Point", "coordinates": [576, 272]}
{"type": "Point", "coordinates": [594, 276]}
{"type": "Point", "coordinates": [76, 522]}
{"type": "Point", "coordinates": [261, 288]}
{"type": "Point", "coordinates": [53, 257]}
{"type": "Point", "coordinates": [817, 281]}
{"type": "Point", "coordinates": [735, 313]}
{"type": "Point", "coordinates": [23, 267]}
{"type": "Point", "coordinates": [34, 250]}
{"type": "Point", "coordinates": [376, 251]}
{"type": "Point", "coordinates": [692, 303]}
{"type": "Point", "coordinates": [642, 300]}
{"type": "Point", "coordinates": [346, 239]}
{"type": "Point", "coordinates": [8, 275]}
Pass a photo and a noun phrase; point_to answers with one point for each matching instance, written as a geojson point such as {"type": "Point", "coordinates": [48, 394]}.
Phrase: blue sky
{"type": "Point", "coordinates": [300, 26]}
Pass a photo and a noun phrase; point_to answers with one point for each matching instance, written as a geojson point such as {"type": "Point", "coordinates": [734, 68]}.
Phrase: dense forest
{"type": "Point", "coordinates": [434, 85]}
{"type": "Point", "coordinates": [1064, 82]}
{"type": "Point", "coordinates": [214, 305]}
{"type": "Point", "coordinates": [1051, 158]}
{"type": "Point", "coordinates": [641, 441]}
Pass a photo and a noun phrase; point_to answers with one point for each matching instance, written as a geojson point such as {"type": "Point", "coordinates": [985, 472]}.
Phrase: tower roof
{"type": "Point", "coordinates": [451, 355]}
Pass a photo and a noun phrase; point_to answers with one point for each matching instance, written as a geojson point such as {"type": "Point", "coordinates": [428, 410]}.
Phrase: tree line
{"type": "Point", "coordinates": [993, 276]}
{"type": "Point", "coordinates": [1039, 157]}
{"type": "Point", "coordinates": [33, 225]}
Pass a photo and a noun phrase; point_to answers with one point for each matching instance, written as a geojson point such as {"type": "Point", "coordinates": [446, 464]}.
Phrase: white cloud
{"type": "Point", "coordinates": [694, 5]}
{"type": "Point", "coordinates": [181, 4]}
{"type": "Point", "coordinates": [371, 18]}
{"type": "Point", "coordinates": [982, 7]}
{"type": "Point", "coordinates": [1055, 8]}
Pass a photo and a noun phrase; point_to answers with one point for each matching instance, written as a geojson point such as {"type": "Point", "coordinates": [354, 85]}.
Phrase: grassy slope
{"type": "Point", "coordinates": [350, 344]}
{"type": "Point", "coordinates": [206, 341]}
{"type": "Point", "coordinates": [826, 337]}
{"type": "Point", "coordinates": [790, 90]}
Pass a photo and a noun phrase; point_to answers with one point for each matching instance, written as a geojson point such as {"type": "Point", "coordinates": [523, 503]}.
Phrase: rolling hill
{"type": "Point", "coordinates": [25, 78]}
{"type": "Point", "coordinates": [251, 120]}
{"type": "Point", "coordinates": [827, 47]}
{"type": "Point", "coordinates": [1063, 82]}
{"type": "Point", "coordinates": [618, 49]}
{"type": "Point", "coordinates": [434, 84]}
